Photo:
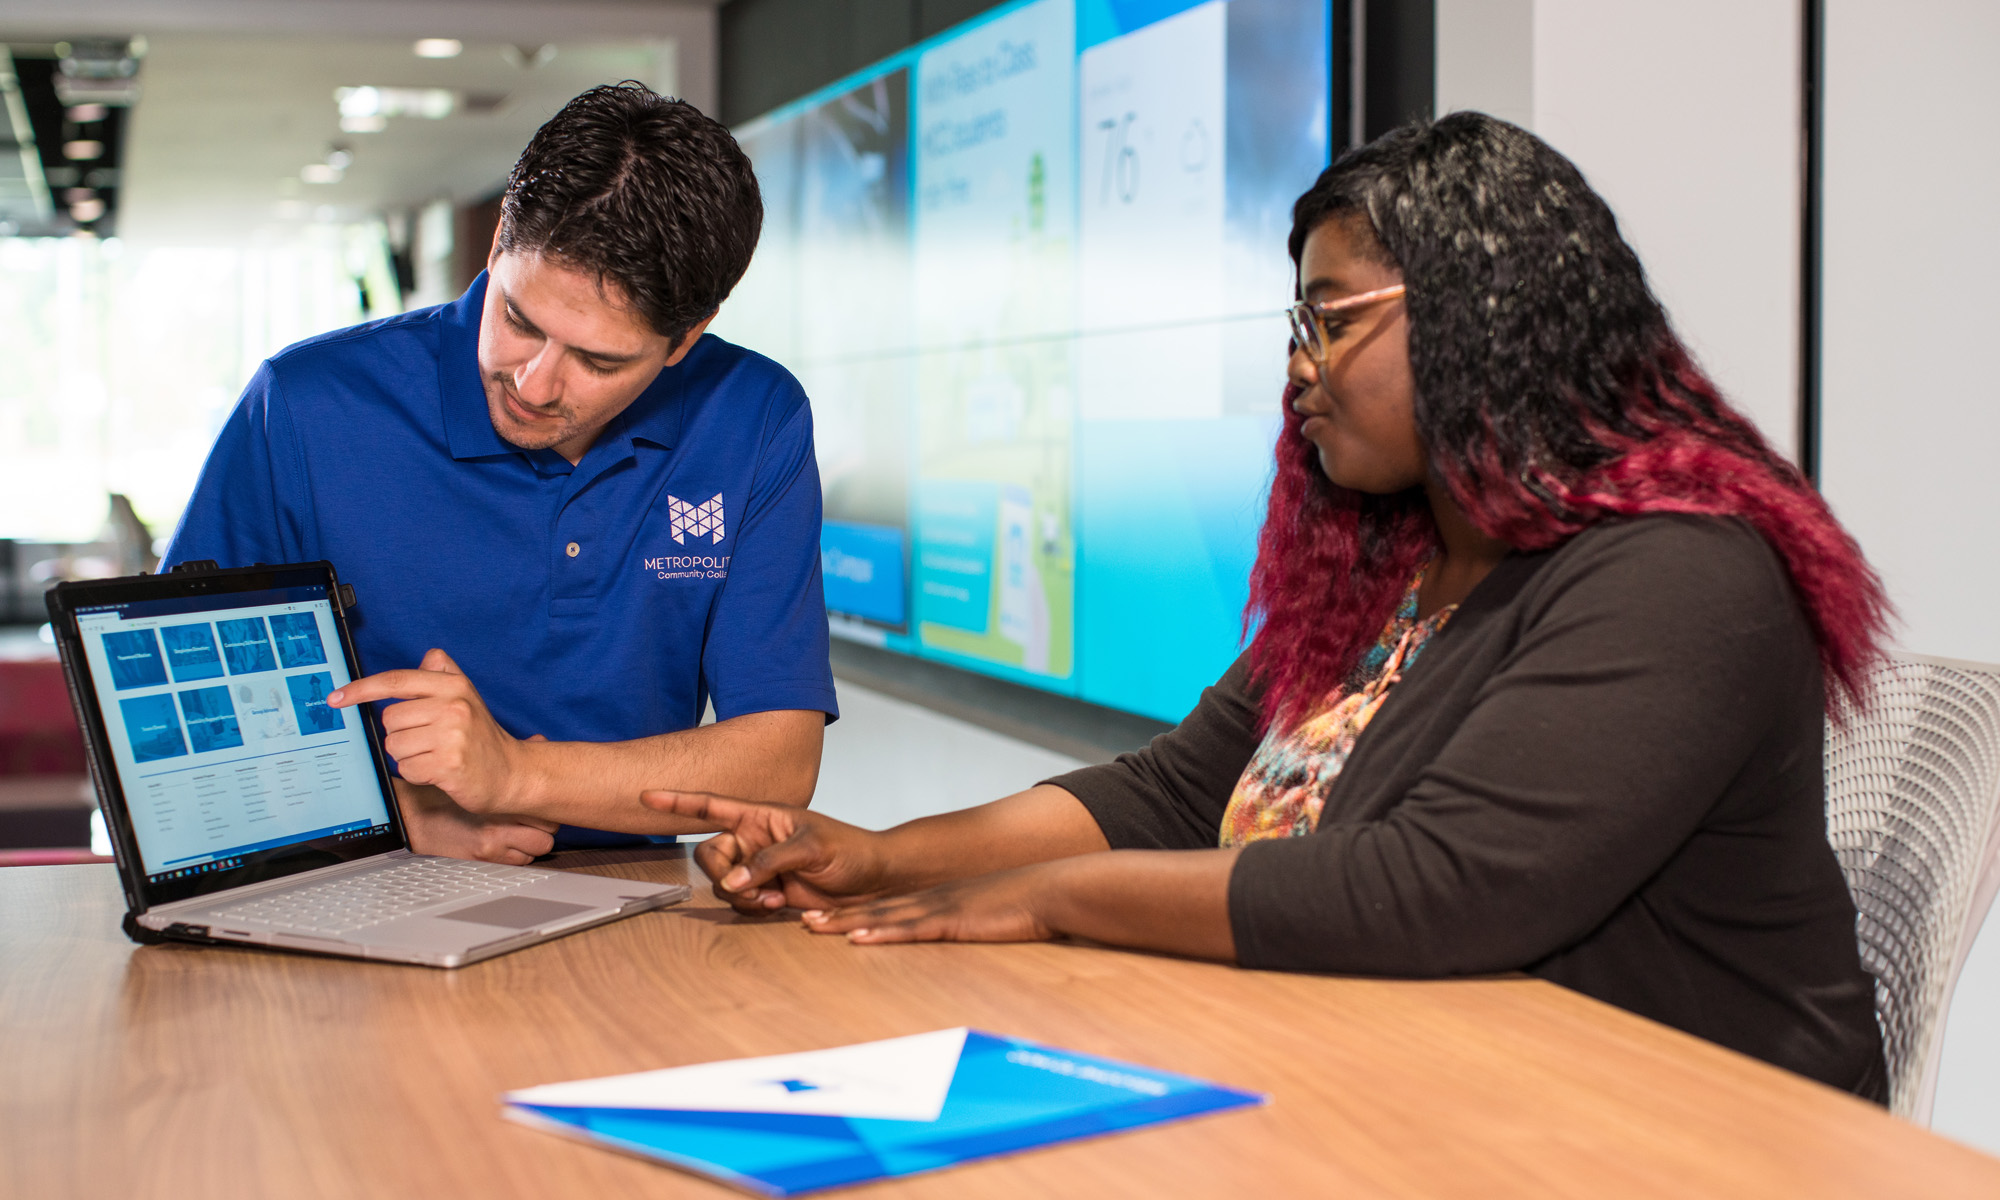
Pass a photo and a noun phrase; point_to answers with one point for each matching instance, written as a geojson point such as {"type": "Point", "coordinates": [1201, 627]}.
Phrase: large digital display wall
{"type": "Point", "coordinates": [1032, 273]}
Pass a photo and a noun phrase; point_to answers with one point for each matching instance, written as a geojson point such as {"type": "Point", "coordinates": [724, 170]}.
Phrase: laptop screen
{"type": "Point", "coordinates": [215, 717]}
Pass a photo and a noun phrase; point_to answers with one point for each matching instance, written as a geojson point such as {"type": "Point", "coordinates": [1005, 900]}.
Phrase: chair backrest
{"type": "Point", "coordinates": [1913, 812]}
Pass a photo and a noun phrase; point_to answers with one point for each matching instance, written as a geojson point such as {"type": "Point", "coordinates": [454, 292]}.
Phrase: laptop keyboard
{"type": "Point", "coordinates": [343, 906]}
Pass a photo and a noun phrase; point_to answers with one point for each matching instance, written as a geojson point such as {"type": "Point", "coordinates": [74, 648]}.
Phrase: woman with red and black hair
{"type": "Point", "coordinates": [1545, 635]}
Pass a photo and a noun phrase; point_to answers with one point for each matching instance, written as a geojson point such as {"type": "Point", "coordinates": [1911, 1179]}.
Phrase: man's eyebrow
{"type": "Point", "coordinates": [605, 356]}
{"type": "Point", "coordinates": [521, 319]}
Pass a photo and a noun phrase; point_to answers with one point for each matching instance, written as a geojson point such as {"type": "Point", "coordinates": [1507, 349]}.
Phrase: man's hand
{"type": "Point", "coordinates": [438, 826]}
{"type": "Point", "coordinates": [772, 855]}
{"type": "Point", "coordinates": [441, 733]}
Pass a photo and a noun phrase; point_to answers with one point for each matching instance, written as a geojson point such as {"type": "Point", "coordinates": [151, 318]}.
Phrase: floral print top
{"type": "Point", "coordinates": [1281, 792]}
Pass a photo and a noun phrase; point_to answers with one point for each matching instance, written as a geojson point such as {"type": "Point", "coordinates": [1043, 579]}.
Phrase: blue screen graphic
{"type": "Point", "coordinates": [153, 727]}
{"type": "Point", "coordinates": [863, 569]}
{"type": "Point", "coordinates": [191, 652]}
{"type": "Point", "coordinates": [135, 659]}
{"type": "Point", "coordinates": [297, 637]}
{"type": "Point", "coordinates": [246, 646]}
{"type": "Point", "coordinates": [309, 693]}
{"type": "Point", "coordinates": [248, 762]}
{"type": "Point", "coordinates": [211, 719]}
{"type": "Point", "coordinates": [1032, 274]}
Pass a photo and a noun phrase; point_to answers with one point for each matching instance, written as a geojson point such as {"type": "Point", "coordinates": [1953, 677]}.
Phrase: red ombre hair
{"type": "Point", "coordinates": [1552, 393]}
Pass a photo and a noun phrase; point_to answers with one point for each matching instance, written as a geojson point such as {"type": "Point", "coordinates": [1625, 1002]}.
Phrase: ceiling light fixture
{"type": "Point", "coordinates": [339, 157]}
{"type": "Point", "coordinates": [363, 124]}
{"type": "Point", "coordinates": [84, 114]}
{"type": "Point", "coordinates": [83, 150]}
{"type": "Point", "coordinates": [86, 210]}
{"type": "Point", "coordinates": [528, 57]}
{"type": "Point", "coordinates": [97, 71]}
{"type": "Point", "coordinates": [429, 103]}
{"type": "Point", "coordinates": [439, 47]}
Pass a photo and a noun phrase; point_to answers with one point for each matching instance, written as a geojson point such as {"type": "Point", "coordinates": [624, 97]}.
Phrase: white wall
{"type": "Point", "coordinates": [1910, 403]}
{"type": "Point", "coordinates": [1686, 118]}
{"type": "Point", "coordinates": [1486, 58]}
{"type": "Point", "coordinates": [888, 761]}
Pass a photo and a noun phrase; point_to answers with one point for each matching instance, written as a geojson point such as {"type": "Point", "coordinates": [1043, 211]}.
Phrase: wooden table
{"type": "Point", "coordinates": [179, 1071]}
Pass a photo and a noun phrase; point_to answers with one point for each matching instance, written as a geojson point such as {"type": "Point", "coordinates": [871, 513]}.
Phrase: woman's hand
{"type": "Point", "coordinates": [769, 856]}
{"type": "Point", "coordinates": [1176, 901]}
{"type": "Point", "coordinates": [1006, 906]}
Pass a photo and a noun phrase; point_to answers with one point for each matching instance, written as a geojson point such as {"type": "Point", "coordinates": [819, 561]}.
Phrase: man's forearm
{"type": "Point", "coordinates": [772, 757]}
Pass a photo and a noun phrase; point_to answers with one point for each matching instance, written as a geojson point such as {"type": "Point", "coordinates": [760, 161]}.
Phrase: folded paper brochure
{"type": "Point", "coordinates": [793, 1123]}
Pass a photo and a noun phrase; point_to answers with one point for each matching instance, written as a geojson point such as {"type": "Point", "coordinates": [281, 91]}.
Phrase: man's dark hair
{"type": "Point", "coordinates": [643, 191]}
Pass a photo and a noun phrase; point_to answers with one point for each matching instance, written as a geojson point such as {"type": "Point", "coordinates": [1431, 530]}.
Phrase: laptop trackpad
{"type": "Point", "coordinates": [514, 912]}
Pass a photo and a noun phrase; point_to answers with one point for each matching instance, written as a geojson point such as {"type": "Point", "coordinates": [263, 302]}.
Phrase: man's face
{"type": "Point", "coordinates": [560, 354]}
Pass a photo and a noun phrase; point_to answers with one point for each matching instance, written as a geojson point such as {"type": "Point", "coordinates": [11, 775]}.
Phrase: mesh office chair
{"type": "Point", "coordinates": [1913, 812]}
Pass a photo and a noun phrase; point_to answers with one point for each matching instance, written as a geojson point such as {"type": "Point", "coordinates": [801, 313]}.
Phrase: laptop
{"type": "Point", "coordinates": [242, 808]}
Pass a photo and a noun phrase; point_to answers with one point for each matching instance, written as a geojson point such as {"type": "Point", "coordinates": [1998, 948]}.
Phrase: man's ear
{"type": "Point", "coordinates": [493, 252]}
{"type": "Point", "coordinates": [687, 343]}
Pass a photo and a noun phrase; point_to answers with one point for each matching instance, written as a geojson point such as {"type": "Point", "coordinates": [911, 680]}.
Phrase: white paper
{"type": "Point", "coordinates": [900, 1079]}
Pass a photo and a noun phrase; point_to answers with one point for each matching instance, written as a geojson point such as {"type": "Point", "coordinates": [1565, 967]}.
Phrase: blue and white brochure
{"type": "Point", "coordinates": [792, 1123]}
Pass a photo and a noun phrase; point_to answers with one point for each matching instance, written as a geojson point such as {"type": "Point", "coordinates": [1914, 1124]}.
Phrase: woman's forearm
{"type": "Point", "coordinates": [1176, 901]}
{"type": "Point", "coordinates": [1038, 825]}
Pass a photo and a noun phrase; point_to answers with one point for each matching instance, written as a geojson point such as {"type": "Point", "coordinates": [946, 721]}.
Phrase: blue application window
{"type": "Point", "coordinates": [297, 637]}
{"type": "Point", "coordinates": [153, 727]}
{"type": "Point", "coordinates": [246, 646]}
{"type": "Point", "coordinates": [863, 569]}
{"type": "Point", "coordinates": [249, 761]}
{"type": "Point", "coordinates": [191, 652]}
{"type": "Point", "coordinates": [956, 520]}
{"type": "Point", "coordinates": [309, 693]}
{"type": "Point", "coordinates": [211, 719]}
{"type": "Point", "coordinates": [134, 656]}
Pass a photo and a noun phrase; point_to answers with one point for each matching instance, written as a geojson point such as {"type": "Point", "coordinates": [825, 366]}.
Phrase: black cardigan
{"type": "Point", "coordinates": [1606, 770]}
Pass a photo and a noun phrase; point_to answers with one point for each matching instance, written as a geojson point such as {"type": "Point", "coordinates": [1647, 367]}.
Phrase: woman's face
{"type": "Point", "coordinates": [1360, 403]}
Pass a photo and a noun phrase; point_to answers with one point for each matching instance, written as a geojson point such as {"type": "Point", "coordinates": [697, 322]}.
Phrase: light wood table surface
{"type": "Point", "coordinates": [213, 1073]}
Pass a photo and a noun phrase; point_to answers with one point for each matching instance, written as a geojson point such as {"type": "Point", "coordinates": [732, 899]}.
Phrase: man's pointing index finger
{"type": "Point", "coordinates": [395, 685]}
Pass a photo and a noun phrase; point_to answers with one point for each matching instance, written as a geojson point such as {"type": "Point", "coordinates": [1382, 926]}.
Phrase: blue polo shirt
{"type": "Point", "coordinates": [694, 520]}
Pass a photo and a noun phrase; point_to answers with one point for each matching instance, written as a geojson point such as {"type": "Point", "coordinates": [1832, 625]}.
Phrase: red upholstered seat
{"type": "Point", "coordinates": [38, 733]}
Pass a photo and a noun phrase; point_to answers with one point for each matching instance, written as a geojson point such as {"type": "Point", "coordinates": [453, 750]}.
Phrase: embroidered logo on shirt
{"type": "Point", "coordinates": [684, 519]}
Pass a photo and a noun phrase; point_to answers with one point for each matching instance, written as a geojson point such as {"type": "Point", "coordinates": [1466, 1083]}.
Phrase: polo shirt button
{"type": "Point", "coordinates": [573, 549]}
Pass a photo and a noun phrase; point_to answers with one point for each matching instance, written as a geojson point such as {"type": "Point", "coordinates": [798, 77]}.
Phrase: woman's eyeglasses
{"type": "Point", "coordinates": [1316, 323]}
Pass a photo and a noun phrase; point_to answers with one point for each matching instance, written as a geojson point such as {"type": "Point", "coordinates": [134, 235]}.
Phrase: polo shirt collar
{"type": "Point", "coordinates": [655, 417]}
{"type": "Point", "coordinates": [468, 429]}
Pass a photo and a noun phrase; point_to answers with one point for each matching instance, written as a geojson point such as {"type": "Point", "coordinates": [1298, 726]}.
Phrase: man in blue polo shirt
{"type": "Point", "coordinates": [570, 517]}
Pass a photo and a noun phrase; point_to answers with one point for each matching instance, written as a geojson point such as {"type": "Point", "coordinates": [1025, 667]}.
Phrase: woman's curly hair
{"type": "Point", "coordinates": [1551, 393]}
